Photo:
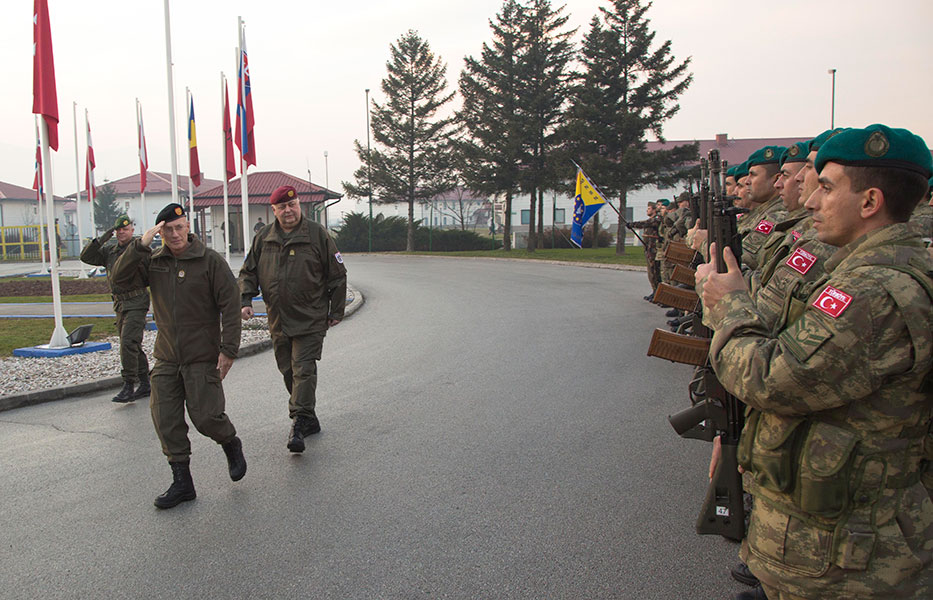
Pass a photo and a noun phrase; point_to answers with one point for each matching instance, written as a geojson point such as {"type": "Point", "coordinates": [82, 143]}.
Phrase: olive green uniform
{"type": "Point", "coordinates": [304, 284]}
{"type": "Point", "coordinates": [840, 402]}
{"type": "Point", "coordinates": [130, 303]}
{"type": "Point", "coordinates": [649, 228]}
{"type": "Point", "coordinates": [759, 226]}
{"type": "Point", "coordinates": [197, 309]}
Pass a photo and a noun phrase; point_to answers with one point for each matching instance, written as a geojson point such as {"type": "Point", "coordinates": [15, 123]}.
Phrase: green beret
{"type": "Point", "coordinates": [877, 146]}
{"type": "Point", "coordinates": [765, 156]}
{"type": "Point", "coordinates": [730, 172]}
{"type": "Point", "coordinates": [817, 142]}
{"type": "Point", "coordinates": [664, 202]}
{"type": "Point", "coordinates": [122, 221]}
{"type": "Point", "coordinates": [795, 153]}
{"type": "Point", "coordinates": [741, 170]}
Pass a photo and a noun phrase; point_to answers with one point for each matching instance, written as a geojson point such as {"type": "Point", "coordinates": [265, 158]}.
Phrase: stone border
{"type": "Point", "coordinates": [80, 389]}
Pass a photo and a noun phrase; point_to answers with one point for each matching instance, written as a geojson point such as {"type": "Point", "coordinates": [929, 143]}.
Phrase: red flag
{"type": "Point", "coordinates": [89, 165]}
{"type": "Point", "coordinates": [44, 96]}
{"type": "Point", "coordinates": [244, 110]}
{"type": "Point", "coordinates": [37, 180]}
{"type": "Point", "coordinates": [228, 137]}
{"type": "Point", "coordinates": [143, 157]}
{"type": "Point", "coordinates": [194, 167]}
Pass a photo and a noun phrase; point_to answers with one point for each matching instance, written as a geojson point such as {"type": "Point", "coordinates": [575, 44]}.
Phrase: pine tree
{"type": "Point", "coordinates": [410, 161]}
{"type": "Point", "coordinates": [106, 209]}
{"type": "Point", "coordinates": [626, 91]}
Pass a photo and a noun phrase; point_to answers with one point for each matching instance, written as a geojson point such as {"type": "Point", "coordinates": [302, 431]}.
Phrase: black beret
{"type": "Point", "coordinates": [170, 213]}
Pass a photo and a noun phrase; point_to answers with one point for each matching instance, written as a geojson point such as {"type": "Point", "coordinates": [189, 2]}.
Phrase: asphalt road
{"type": "Point", "coordinates": [492, 429]}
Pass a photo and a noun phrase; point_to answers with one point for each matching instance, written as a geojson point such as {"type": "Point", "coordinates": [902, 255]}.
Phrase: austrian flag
{"type": "Point", "coordinates": [832, 301]}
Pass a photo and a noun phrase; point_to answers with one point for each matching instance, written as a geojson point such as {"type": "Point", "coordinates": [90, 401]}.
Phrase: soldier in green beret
{"type": "Point", "coordinates": [741, 178]}
{"type": "Point", "coordinates": [130, 303]}
{"type": "Point", "coordinates": [839, 388]}
{"type": "Point", "coordinates": [757, 226]}
{"type": "Point", "coordinates": [649, 229]}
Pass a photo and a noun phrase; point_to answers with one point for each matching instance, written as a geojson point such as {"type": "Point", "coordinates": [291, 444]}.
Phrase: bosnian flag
{"type": "Point", "coordinates": [587, 203]}
{"type": "Point", "coordinates": [244, 108]}
{"type": "Point", "coordinates": [44, 96]}
{"type": "Point", "coordinates": [194, 167]}
{"type": "Point", "coordinates": [89, 165]}
{"type": "Point", "coordinates": [228, 137]}
{"type": "Point", "coordinates": [143, 158]}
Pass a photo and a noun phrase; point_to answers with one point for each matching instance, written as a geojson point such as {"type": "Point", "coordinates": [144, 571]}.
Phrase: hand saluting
{"type": "Point", "coordinates": [151, 233]}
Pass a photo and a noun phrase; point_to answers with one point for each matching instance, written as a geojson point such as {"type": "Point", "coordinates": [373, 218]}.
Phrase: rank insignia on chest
{"type": "Point", "coordinates": [832, 301]}
{"type": "Point", "coordinates": [801, 261]}
{"type": "Point", "coordinates": [181, 274]}
{"type": "Point", "coordinates": [338, 258]}
{"type": "Point", "coordinates": [291, 252]}
{"type": "Point", "coordinates": [764, 227]}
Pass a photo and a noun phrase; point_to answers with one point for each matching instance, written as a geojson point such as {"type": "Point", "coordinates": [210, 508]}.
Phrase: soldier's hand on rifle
{"type": "Point", "coordinates": [712, 286]}
{"type": "Point", "coordinates": [151, 233]}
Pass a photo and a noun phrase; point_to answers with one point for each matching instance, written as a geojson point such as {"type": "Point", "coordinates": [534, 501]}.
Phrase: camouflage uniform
{"type": "Point", "coordinates": [649, 228]}
{"type": "Point", "coordinates": [923, 217]}
{"type": "Point", "coordinates": [670, 234]}
{"type": "Point", "coordinates": [757, 227]}
{"type": "Point", "coordinates": [839, 405]}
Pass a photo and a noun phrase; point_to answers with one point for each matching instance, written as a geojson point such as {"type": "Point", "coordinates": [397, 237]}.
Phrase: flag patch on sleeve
{"type": "Point", "coordinates": [832, 301]}
{"type": "Point", "coordinates": [801, 261]}
{"type": "Point", "coordinates": [765, 227]}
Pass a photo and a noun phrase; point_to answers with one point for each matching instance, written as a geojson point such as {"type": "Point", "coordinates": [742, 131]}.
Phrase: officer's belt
{"type": "Point", "coordinates": [128, 295]}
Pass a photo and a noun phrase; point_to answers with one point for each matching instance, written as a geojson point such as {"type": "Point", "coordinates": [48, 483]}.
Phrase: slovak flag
{"type": "Point", "coordinates": [44, 96]}
{"type": "Point", "coordinates": [143, 158]}
{"type": "Point", "coordinates": [244, 108]}
{"type": "Point", "coordinates": [89, 165]}
{"type": "Point", "coordinates": [228, 137]}
{"type": "Point", "coordinates": [194, 168]}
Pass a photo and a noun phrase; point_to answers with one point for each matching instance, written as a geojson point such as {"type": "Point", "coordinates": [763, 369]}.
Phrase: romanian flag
{"type": "Point", "coordinates": [244, 107]}
{"type": "Point", "coordinates": [44, 96]}
{"type": "Point", "coordinates": [194, 168]}
{"type": "Point", "coordinates": [587, 203]}
{"type": "Point", "coordinates": [228, 138]}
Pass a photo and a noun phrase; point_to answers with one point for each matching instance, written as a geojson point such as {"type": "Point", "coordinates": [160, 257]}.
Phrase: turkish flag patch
{"type": "Point", "coordinates": [832, 301]}
{"type": "Point", "coordinates": [764, 227]}
{"type": "Point", "coordinates": [801, 261]}
{"type": "Point", "coordinates": [796, 234]}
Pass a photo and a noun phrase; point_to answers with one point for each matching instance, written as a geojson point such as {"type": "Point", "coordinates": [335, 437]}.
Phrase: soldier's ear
{"type": "Point", "coordinates": [871, 202]}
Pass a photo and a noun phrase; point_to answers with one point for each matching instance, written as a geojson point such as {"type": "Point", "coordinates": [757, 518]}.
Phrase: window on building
{"type": "Point", "coordinates": [559, 216]}
{"type": "Point", "coordinates": [526, 216]}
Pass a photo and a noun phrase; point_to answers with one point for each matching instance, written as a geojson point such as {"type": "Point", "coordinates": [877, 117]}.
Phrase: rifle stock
{"type": "Point", "coordinates": [699, 422]}
{"type": "Point", "coordinates": [723, 512]}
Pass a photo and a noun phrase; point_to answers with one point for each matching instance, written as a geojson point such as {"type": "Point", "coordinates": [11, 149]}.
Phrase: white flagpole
{"type": "Point", "coordinates": [171, 103]}
{"type": "Point", "coordinates": [142, 141]}
{"type": "Point", "coordinates": [223, 151]}
{"type": "Point", "coordinates": [74, 116]}
{"type": "Point", "coordinates": [39, 201]}
{"type": "Point", "coordinates": [190, 174]}
{"type": "Point", "coordinates": [90, 179]}
{"type": "Point", "coordinates": [244, 191]}
{"type": "Point", "coordinates": [59, 337]}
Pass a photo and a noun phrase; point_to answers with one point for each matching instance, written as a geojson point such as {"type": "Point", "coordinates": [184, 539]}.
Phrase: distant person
{"type": "Point", "coordinates": [130, 303]}
{"type": "Point", "coordinates": [258, 226]}
{"type": "Point", "coordinates": [304, 286]}
{"type": "Point", "coordinates": [194, 299]}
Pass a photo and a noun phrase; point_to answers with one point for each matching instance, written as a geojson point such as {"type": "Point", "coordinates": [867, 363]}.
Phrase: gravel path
{"type": "Point", "coordinates": [18, 375]}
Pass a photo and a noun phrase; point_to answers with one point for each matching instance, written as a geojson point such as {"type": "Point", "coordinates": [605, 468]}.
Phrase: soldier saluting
{"type": "Point", "coordinates": [130, 303]}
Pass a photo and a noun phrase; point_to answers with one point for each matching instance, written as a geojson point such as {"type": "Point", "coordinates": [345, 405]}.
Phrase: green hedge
{"type": "Point", "coordinates": [390, 234]}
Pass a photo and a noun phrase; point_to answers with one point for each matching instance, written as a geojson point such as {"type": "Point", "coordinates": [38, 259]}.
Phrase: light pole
{"type": "Point", "coordinates": [832, 114]}
{"type": "Point", "coordinates": [326, 187]}
{"type": "Point", "coordinates": [369, 174]}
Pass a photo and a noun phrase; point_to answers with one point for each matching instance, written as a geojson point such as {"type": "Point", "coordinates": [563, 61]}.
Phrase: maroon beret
{"type": "Point", "coordinates": [283, 193]}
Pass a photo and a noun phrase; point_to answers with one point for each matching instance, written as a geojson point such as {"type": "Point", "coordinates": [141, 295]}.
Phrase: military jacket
{"type": "Point", "coordinates": [194, 300]}
{"type": "Point", "coordinates": [923, 217]}
{"type": "Point", "coordinates": [650, 228]}
{"type": "Point", "coordinates": [839, 405]}
{"type": "Point", "coordinates": [132, 295]}
{"type": "Point", "coordinates": [301, 275]}
{"type": "Point", "coordinates": [757, 227]}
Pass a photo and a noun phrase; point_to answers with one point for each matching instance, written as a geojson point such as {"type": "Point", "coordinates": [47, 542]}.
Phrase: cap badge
{"type": "Point", "coordinates": [181, 274]}
{"type": "Point", "coordinates": [769, 153]}
{"type": "Point", "coordinates": [877, 145]}
{"type": "Point", "coordinates": [793, 150]}
{"type": "Point", "coordinates": [178, 210]}
{"type": "Point", "coordinates": [291, 194]}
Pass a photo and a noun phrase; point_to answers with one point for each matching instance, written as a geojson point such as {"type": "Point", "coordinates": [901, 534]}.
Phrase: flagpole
{"type": "Point", "coordinates": [188, 102]}
{"type": "Point", "coordinates": [171, 102]}
{"type": "Point", "coordinates": [39, 186]}
{"type": "Point", "coordinates": [74, 116]}
{"type": "Point", "coordinates": [59, 337]}
{"type": "Point", "coordinates": [90, 179]}
{"type": "Point", "coordinates": [244, 190]}
{"type": "Point", "coordinates": [142, 141]}
{"type": "Point", "coordinates": [223, 150]}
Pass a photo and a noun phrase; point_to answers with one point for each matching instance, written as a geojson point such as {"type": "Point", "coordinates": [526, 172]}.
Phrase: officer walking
{"type": "Point", "coordinates": [130, 303]}
{"type": "Point", "coordinates": [834, 443]}
{"type": "Point", "coordinates": [194, 300]}
{"type": "Point", "coordinates": [303, 280]}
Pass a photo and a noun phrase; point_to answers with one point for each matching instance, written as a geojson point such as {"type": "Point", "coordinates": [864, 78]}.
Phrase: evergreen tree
{"type": "Point", "coordinates": [626, 90]}
{"type": "Point", "coordinates": [491, 90]}
{"type": "Point", "coordinates": [106, 209]}
{"type": "Point", "coordinates": [410, 161]}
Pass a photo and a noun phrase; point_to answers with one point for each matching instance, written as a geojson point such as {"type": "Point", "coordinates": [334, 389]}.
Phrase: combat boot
{"type": "Point", "coordinates": [182, 488]}
{"type": "Point", "coordinates": [296, 437]}
{"type": "Point", "coordinates": [144, 389]}
{"type": "Point", "coordinates": [310, 425]}
{"type": "Point", "coordinates": [126, 394]}
{"type": "Point", "coordinates": [235, 459]}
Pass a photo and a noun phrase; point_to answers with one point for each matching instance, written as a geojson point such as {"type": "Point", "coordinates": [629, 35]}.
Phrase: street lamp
{"type": "Point", "coordinates": [326, 187]}
{"type": "Point", "coordinates": [832, 114]}
{"type": "Point", "coordinates": [369, 174]}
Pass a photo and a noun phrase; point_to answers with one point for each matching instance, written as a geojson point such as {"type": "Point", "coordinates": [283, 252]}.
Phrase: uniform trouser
{"type": "Point", "coordinates": [296, 358]}
{"type": "Point", "coordinates": [667, 269]}
{"type": "Point", "coordinates": [133, 362]}
{"type": "Point", "coordinates": [654, 276]}
{"type": "Point", "coordinates": [197, 386]}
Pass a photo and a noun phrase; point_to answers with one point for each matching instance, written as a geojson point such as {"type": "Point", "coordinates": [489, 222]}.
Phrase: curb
{"type": "Point", "coordinates": [547, 261]}
{"type": "Point", "coordinates": [89, 387]}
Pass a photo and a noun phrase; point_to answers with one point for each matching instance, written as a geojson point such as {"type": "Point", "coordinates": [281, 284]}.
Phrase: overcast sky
{"type": "Point", "coordinates": [760, 70]}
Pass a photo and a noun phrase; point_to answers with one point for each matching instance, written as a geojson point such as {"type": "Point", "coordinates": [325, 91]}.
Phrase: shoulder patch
{"type": "Point", "coordinates": [338, 258]}
{"type": "Point", "coordinates": [764, 226]}
{"type": "Point", "coordinates": [804, 337]}
{"type": "Point", "coordinates": [801, 261]}
{"type": "Point", "coordinates": [796, 234]}
{"type": "Point", "coordinates": [832, 301]}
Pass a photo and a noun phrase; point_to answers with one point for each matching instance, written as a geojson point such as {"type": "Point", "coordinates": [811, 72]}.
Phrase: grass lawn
{"type": "Point", "coordinates": [19, 333]}
{"type": "Point", "coordinates": [633, 256]}
{"type": "Point", "coordinates": [76, 298]}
